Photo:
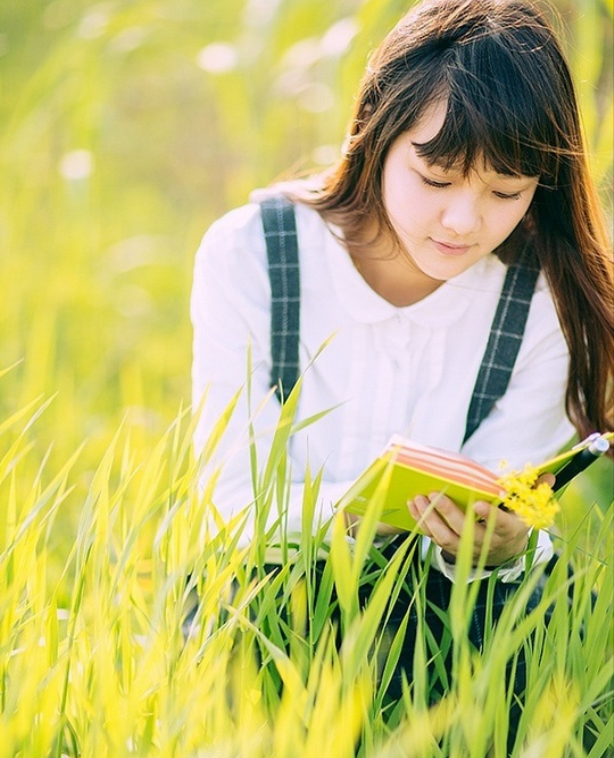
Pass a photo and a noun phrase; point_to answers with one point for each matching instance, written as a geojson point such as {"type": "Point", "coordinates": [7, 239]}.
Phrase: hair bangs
{"type": "Point", "coordinates": [469, 137]}
{"type": "Point", "coordinates": [496, 115]}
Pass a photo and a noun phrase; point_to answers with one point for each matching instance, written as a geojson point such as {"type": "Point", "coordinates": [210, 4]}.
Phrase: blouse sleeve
{"type": "Point", "coordinates": [230, 310]}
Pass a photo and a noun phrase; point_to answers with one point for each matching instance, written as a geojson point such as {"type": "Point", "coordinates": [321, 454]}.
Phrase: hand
{"type": "Point", "coordinates": [546, 478]}
{"type": "Point", "coordinates": [442, 520]}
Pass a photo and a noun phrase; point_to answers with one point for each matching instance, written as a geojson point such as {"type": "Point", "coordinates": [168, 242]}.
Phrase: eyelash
{"type": "Point", "coordinates": [443, 185]}
{"type": "Point", "coordinates": [512, 196]}
{"type": "Point", "coordinates": [432, 183]}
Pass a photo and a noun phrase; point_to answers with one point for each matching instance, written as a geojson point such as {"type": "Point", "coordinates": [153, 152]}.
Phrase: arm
{"type": "Point", "coordinates": [231, 317]}
{"type": "Point", "coordinates": [528, 424]}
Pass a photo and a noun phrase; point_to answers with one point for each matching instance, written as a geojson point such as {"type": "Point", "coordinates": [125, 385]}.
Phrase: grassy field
{"type": "Point", "coordinates": [126, 129]}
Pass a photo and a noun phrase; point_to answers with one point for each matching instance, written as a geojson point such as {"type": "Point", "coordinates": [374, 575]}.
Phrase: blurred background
{"type": "Point", "coordinates": [126, 127]}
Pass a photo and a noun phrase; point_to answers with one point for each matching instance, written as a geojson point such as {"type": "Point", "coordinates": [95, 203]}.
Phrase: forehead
{"type": "Point", "coordinates": [429, 127]}
{"type": "Point", "coordinates": [430, 123]}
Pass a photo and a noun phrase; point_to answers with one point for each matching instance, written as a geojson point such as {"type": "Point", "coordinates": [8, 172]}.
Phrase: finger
{"type": "Point", "coordinates": [505, 536]}
{"type": "Point", "coordinates": [546, 478]}
{"type": "Point", "coordinates": [507, 525]}
{"type": "Point", "coordinates": [448, 511]}
{"type": "Point", "coordinates": [415, 513]}
{"type": "Point", "coordinates": [434, 526]}
{"type": "Point", "coordinates": [485, 511]}
{"type": "Point", "coordinates": [418, 508]}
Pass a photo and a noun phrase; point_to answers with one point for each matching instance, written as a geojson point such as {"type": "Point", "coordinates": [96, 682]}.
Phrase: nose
{"type": "Point", "coordinates": [462, 215]}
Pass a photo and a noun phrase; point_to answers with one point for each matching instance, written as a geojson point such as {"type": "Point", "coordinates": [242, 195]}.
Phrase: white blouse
{"type": "Point", "coordinates": [383, 369]}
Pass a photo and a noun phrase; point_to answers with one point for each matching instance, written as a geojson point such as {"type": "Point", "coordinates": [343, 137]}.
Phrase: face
{"type": "Point", "coordinates": [446, 221]}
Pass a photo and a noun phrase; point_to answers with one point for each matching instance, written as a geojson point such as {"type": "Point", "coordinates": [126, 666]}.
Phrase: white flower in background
{"type": "Point", "coordinates": [76, 164]}
{"type": "Point", "coordinates": [217, 58]}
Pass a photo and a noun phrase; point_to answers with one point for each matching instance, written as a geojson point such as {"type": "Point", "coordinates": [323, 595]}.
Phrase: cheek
{"type": "Point", "coordinates": [405, 200]}
{"type": "Point", "coordinates": [508, 219]}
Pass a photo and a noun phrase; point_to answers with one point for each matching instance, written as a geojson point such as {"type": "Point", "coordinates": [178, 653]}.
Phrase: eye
{"type": "Point", "coordinates": [433, 183]}
{"type": "Point", "coordinates": [508, 195]}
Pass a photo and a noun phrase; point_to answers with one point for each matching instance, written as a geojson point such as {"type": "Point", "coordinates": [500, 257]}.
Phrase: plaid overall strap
{"type": "Point", "coordinates": [504, 341]}
{"type": "Point", "coordinates": [281, 239]}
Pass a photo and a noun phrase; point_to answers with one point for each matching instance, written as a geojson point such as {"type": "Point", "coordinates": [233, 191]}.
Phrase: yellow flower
{"type": "Point", "coordinates": [535, 505]}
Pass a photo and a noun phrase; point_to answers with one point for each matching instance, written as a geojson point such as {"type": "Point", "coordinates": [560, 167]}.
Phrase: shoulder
{"type": "Point", "coordinates": [230, 263]}
{"type": "Point", "coordinates": [233, 247]}
{"type": "Point", "coordinates": [233, 251]}
{"type": "Point", "coordinates": [311, 226]}
{"type": "Point", "coordinates": [240, 230]}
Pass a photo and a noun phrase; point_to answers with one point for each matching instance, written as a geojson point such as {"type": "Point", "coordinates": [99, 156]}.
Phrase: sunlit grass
{"type": "Point", "coordinates": [103, 668]}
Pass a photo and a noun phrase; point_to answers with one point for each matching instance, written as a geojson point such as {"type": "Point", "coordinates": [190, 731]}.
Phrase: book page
{"type": "Point", "coordinates": [447, 465]}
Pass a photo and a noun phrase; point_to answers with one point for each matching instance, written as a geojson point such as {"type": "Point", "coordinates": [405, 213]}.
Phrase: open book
{"type": "Point", "coordinates": [405, 469]}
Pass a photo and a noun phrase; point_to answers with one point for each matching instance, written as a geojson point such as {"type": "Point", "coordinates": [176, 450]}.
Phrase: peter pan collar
{"type": "Point", "coordinates": [437, 310]}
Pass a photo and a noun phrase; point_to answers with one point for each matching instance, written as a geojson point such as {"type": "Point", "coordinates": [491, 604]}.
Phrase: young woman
{"type": "Point", "coordinates": [464, 162]}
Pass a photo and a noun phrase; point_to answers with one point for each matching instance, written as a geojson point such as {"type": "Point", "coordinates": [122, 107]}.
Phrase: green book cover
{"type": "Point", "coordinates": [415, 469]}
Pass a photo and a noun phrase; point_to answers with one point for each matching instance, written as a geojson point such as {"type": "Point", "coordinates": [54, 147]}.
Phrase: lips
{"type": "Point", "coordinates": [449, 249]}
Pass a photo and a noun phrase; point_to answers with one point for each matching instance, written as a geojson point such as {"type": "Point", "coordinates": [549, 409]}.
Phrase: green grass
{"type": "Point", "coordinates": [117, 149]}
{"type": "Point", "coordinates": [95, 664]}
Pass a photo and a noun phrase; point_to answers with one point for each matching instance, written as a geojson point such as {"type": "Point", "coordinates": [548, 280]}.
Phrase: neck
{"type": "Point", "coordinates": [390, 271]}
